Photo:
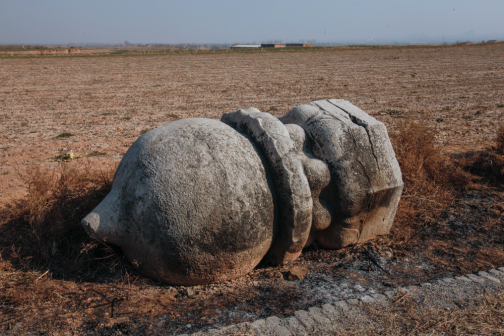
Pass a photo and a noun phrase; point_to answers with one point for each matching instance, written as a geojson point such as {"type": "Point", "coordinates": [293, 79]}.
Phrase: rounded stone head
{"type": "Point", "coordinates": [190, 204]}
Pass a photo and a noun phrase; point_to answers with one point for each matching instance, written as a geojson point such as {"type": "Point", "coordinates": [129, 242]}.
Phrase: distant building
{"type": "Point", "coordinates": [493, 41]}
{"type": "Point", "coordinates": [268, 45]}
{"type": "Point", "coordinates": [246, 46]}
{"type": "Point", "coordinates": [294, 45]}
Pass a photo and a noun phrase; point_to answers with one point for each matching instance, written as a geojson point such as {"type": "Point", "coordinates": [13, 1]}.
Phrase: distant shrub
{"type": "Point", "coordinates": [95, 153]}
{"type": "Point", "coordinates": [393, 112]}
{"type": "Point", "coordinates": [64, 135]}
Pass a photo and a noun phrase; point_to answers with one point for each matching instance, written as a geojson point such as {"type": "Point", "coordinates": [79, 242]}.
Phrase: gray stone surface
{"type": "Point", "coordinates": [295, 326]}
{"type": "Point", "coordinates": [190, 204]}
{"type": "Point", "coordinates": [341, 306]}
{"type": "Point", "coordinates": [367, 299]}
{"type": "Point", "coordinates": [366, 181]}
{"type": "Point", "coordinates": [496, 273]}
{"type": "Point", "coordinates": [330, 311]}
{"type": "Point", "coordinates": [463, 278]}
{"type": "Point", "coordinates": [306, 320]}
{"type": "Point", "coordinates": [380, 298]}
{"type": "Point", "coordinates": [353, 301]}
{"type": "Point", "coordinates": [199, 201]}
{"type": "Point", "coordinates": [292, 190]}
{"type": "Point", "coordinates": [488, 276]}
{"type": "Point", "coordinates": [276, 328]}
{"type": "Point", "coordinates": [390, 294]}
{"type": "Point", "coordinates": [475, 278]}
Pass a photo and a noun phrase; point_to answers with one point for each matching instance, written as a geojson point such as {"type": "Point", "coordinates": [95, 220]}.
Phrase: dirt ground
{"type": "Point", "coordinates": [96, 107]}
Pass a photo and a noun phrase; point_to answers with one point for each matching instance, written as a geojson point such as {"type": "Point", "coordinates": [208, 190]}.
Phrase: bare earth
{"type": "Point", "coordinates": [107, 102]}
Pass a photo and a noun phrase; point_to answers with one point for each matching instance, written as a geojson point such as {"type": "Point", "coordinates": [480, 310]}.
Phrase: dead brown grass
{"type": "Point", "coordinates": [410, 318]}
{"type": "Point", "coordinates": [42, 231]}
{"type": "Point", "coordinates": [499, 140]}
{"type": "Point", "coordinates": [430, 177]}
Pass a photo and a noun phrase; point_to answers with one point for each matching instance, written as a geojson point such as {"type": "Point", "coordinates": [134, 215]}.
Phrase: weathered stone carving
{"type": "Point", "coordinates": [200, 201]}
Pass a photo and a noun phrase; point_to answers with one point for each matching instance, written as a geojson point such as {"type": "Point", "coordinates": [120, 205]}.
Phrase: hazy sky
{"type": "Point", "coordinates": [230, 21]}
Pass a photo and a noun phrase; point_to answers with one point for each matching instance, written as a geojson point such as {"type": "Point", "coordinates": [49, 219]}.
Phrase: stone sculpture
{"type": "Point", "coordinates": [200, 201]}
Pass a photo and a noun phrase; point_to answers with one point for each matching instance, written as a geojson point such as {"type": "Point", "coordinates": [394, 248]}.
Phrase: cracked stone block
{"type": "Point", "coordinates": [305, 319]}
{"type": "Point", "coordinates": [259, 327]}
{"type": "Point", "coordinates": [463, 278]}
{"type": "Point", "coordinates": [276, 327]}
{"type": "Point", "coordinates": [488, 276]}
{"type": "Point", "coordinates": [475, 278]}
{"type": "Point", "coordinates": [501, 269]}
{"type": "Point", "coordinates": [496, 273]}
{"type": "Point", "coordinates": [323, 323]}
{"type": "Point", "coordinates": [295, 326]}
{"type": "Point", "coordinates": [366, 181]}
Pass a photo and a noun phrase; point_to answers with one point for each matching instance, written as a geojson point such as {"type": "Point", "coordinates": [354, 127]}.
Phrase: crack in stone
{"type": "Point", "coordinates": [363, 124]}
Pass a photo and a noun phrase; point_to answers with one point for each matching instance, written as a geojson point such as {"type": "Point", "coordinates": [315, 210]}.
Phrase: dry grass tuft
{"type": "Point", "coordinates": [500, 140]}
{"type": "Point", "coordinates": [42, 231]}
{"type": "Point", "coordinates": [430, 179]}
{"type": "Point", "coordinates": [481, 318]}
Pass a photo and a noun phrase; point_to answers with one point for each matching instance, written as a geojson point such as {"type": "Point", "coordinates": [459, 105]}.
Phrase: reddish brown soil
{"type": "Point", "coordinates": [105, 103]}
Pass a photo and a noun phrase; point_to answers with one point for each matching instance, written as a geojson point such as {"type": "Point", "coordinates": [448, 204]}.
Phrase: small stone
{"type": "Point", "coordinates": [501, 269]}
{"type": "Point", "coordinates": [367, 299]}
{"type": "Point", "coordinates": [448, 280]}
{"type": "Point", "coordinates": [297, 273]}
{"type": "Point", "coordinates": [379, 298]}
{"type": "Point", "coordinates": [426, 284]}
{"type": "Point", "coordinates": [353, 301]}
{"type": "Point", "coordinates": [190, 292]}
{"type": "Point", "coordinates": [390, 294]}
